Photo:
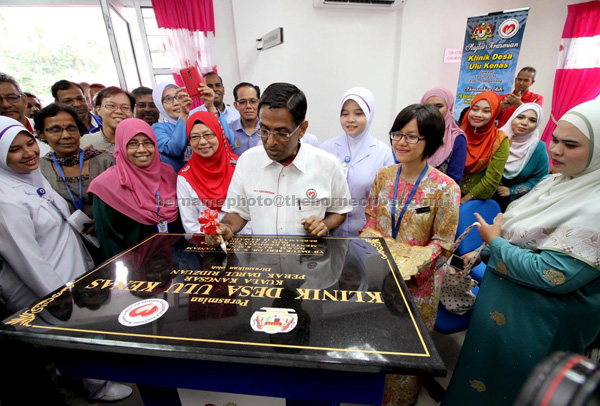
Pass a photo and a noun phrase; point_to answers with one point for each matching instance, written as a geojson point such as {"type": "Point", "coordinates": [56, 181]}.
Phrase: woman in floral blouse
{"type": "Point", "coordinates": [426, 215]}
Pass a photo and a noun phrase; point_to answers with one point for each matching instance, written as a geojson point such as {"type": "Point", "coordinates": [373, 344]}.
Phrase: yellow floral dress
{"type": "Point", "coordinates": [430, 221]}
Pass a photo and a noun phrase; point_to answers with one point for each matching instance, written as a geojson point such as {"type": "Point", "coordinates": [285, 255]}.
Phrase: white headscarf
{"type": "Point", "coordinates": [366, 101]}
{"type": "Point", "coordinates": [157, 95]}
{"type": "Point", "coordinates": [522, 146]}
{"type": "Point", "coordinates": [561, 213]}
{"type": "Point", "coordinates": [9, 129]}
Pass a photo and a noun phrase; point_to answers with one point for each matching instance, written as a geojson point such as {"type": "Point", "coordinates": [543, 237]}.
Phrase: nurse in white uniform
{"type": "Point", "coordinates": [40, 252]}
{"type": "Point", "coordinates": [360, 153]}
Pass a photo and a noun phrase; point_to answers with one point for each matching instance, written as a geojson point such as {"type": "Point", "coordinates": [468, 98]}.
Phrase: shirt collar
{"type": "Point", "coordinates": [300, 161]}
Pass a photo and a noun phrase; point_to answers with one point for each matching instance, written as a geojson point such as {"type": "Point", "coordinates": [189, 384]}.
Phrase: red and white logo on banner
{"type": "Point", "coordinates": [143, 312]}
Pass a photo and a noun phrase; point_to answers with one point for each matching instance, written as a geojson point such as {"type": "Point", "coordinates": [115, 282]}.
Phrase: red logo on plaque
{"type": "Point", "coordinates": [143, 312]}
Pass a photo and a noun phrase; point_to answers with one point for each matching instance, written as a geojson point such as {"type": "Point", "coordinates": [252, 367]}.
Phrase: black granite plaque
{"type": "Point", "coordinates": [332, 303]}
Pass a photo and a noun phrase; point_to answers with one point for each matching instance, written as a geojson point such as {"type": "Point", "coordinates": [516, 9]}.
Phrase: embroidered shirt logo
{"type": "Point", "coordinates": [311, 193]}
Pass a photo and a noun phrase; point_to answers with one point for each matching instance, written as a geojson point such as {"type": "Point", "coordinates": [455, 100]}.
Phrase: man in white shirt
{"type": "Point", "coordinates": [215, 82]}
{"type": "Point", "coordinates": [285, 187]}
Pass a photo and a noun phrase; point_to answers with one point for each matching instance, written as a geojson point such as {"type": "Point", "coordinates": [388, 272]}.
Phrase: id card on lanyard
{"type": "Point", "coordinates": [162, 226]}
{"type": "Point", "coordinates": [77, 203]}
{"type": "Point", "coordinates": [396, 224]}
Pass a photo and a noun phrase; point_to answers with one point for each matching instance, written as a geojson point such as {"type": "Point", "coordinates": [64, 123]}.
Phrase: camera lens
{"type": "Point", "coordinates": [562, 379]}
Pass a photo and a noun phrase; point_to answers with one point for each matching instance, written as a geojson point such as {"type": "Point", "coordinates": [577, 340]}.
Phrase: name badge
{"type": "Point", "coordinates": [423, 209]}
{"type": "Point", "coordinates": [162, 227]}
{"type": "Point", "coordinates": [188, 153]}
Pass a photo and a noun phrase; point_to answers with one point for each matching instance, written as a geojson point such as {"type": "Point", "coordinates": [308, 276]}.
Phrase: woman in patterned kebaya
{"type": "Point", "coordinates": [415, 204]}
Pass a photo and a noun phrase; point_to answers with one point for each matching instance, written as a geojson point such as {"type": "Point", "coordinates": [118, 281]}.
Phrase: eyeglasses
{"type": "Point", "coordinates": [73, 130]}
{"type": "Point", "coordinates": [243, 102]}
{"type": "Point", "coordinates": [146, 105]}
{"type": "Point", "coordinates": [206, 137]}
{"type": "Point", "coordinates": [409, 138]}
{"type": "Point", "coordinates": [169, 100]}
{"type": "Point", "coordinates": [11, 98]}
{"type": "Point", "coordinates": [280, 135]}
{"type": "Point", "coordinates": [135, 145]}
{"type": "Point", "coordinates": [113, 107]}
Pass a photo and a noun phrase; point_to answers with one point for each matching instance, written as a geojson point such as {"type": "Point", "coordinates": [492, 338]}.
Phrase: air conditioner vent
{"type": "Point", "coordinates": [364, 4]}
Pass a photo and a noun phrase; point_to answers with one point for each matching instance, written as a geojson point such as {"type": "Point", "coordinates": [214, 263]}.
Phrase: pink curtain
{"type": "Point", "coordinates": [188, 33]}
{"type": "Point", "coordinates": [577, 77]}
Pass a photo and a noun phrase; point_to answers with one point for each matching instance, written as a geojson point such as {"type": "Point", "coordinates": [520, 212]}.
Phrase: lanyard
{"type": "Point", "coordinates": [79, 202]}
{"type": "Point", "coordinates": [396, 224]}
{"type": "Point", "coordinates": [158, 207]}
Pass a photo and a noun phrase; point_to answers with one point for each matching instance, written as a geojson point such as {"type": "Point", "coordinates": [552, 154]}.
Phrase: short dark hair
{"type": "Point", "coordinates": [430, 123]}
{"type": "Point", "coordinates": [28, 94]}
{"type": "Point", "coordinates": [528, 69]}
{"type": "Point", "coordinates": [141, 91]}
{"type": "Point", "coordinates": [100, 85]}
{"type": "Point", "coordinates": [112, 91]}
{"type": "Point", "coordinates": [245, 84]}
{"type": "Point", "coordinates": [5, 78]}
{"type": "Point", "coordinates": [64, 85]}
{"type": "Point", "coordinates": [288, 96]}
{"type": "Point", "coordinates": [52, 110]}
{"type": "Point", "coordinates": [214, 73]}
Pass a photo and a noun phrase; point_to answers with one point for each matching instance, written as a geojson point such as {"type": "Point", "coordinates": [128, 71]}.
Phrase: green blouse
{"type": "Point", "coordinates": [483, 185]}
{"type": "Point", "coordinates": [117, 232]}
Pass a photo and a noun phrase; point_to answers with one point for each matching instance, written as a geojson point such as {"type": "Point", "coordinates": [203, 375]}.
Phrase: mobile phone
{"type": "Point", "coordinates": [457, 262]}
{"type": "Point", "coordinates": [192, 79]}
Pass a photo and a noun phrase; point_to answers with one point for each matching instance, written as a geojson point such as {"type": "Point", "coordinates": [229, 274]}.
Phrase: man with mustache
{"type": "Point", "coordinates": [215, 82]}
{"type": "Point", "coordinates": [13, 104]}
{"type": "Point", "coordinates": [145, 109]}
{"type": "Point", "coordinates": [71, 93]}
{"type": "Point", "coordinates": [520, 95]}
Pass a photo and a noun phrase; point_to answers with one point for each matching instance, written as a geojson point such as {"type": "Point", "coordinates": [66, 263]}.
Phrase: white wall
{"type": "Point", "coordinates": [398, 55]}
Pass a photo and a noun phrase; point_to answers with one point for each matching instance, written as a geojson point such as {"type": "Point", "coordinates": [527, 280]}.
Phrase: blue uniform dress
{"type": "Point", "coordinates": [362, 168]}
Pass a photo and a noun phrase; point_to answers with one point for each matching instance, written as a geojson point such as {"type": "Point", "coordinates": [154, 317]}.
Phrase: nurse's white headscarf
{"type": "Point", "coordinates": [561, 213]}
{"type": "Point", "coordinates": [157, 95]}
{"type": "Point", "coordinates": [366, 101]}
{"type": "Point", "coordinates": [9, 129]}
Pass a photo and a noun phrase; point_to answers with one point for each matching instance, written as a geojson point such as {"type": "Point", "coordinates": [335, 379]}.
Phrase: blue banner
{"type": "Point", "coordinates": [490, 55]}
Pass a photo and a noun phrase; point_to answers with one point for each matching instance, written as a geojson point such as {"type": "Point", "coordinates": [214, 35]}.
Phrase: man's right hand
{"type": "Point", "coordinates": [224, 230]}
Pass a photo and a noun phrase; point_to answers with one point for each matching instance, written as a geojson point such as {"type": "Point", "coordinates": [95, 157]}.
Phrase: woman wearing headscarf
{"type": "Point", "coordinates": [204, 181]}
{"type": "Point", "coordinates": [528, 161]}
{"type": "Point", "coordinates": [40, 250]}
{"type": "Point", "coordinates": [487, 148]}
{"type": "Point", "coordinates": [173, 103]}
{"type": "Point", "coordinates": [541, 289]}
{"type": "Point", "coordinates": [135, 198]}
{"type": "Point", "coordinates": [450, 157]}
{"type": "Point", "coordinates": [361, 154]}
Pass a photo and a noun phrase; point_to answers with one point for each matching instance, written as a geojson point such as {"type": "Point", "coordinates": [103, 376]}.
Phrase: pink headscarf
{"type": "Point", "coordinates": [452, 130]}
{"type": "Point", "coordinates": [131, 190]}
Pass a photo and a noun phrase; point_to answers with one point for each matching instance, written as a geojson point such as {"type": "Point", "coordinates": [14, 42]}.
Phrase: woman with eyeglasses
{"type": "Point", "coordinates": [113, 105]}
{"type": "Point", "coordinates": [135, 198]}
{"type": "Point", "coordinates": [413, 203]}
{"type": "Point", "coordinates": [487, 148]}
{"type": "Point", "coordinates": [204, 181]}
{"type": "Point", "coordinates": [68, 168]}
{"type": "Point", "coordinates": [174, 105]}
{"type": "Point", "coordinates": [360, 153]}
